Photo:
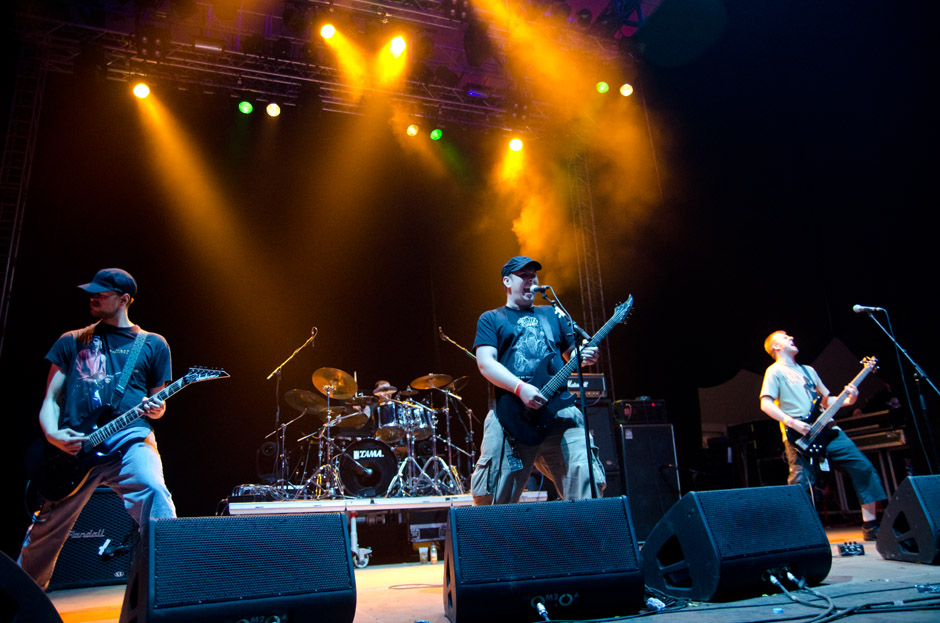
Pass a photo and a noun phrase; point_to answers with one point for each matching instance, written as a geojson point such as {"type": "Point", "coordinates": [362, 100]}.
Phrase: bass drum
{"type": "Point", "coordinates": [367, 467]}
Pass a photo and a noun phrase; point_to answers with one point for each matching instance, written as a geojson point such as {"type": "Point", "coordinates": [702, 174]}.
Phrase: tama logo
{"type": "Point", "coordinates": [367, 454]}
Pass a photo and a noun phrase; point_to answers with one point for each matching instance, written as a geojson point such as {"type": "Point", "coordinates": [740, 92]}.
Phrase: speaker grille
{"type": "Point", "coordinates": [215, 559]}
{"type": "Point", "coordinates": [741, 520]}
{"type": "Point", "coordinates": [553, 539]}
{"type": "Point", "coordinates": [929, 489]}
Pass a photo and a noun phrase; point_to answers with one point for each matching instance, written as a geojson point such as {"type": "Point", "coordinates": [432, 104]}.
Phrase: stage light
{"type": "Point", "coordinates": [397, 46]}
{"type": "Point", "coordinates": [412, 130]}
{"type": "Point", "coordinates": [245, 107]}
{"type": "Point", "coordinates": [436, 134]}
{"type": "Point", "coordinates": [626, 89]}
{"type": "Point", "coordinates": [327, 31]}
{"type": "Point", "coordinates": [273, 110]}
{"type": "Point", "coordinates": [141, 90]}
{"type": "Point", "coordinates": [602, 87]}
{"type": "Point", "coordinates": [515, 144]}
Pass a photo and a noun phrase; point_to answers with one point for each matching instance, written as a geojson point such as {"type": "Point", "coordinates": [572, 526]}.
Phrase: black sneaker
{"type": "Point", "coordinates": [870, 530]}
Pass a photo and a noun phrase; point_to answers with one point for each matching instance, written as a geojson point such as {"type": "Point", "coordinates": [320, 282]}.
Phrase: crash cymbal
{"type": "Point", "coordinates": [301, 399]}
{"type": "Point", "coordinates": [362, 400]}
{"type": "Point", "coordinates": [408, 392]}
{"type": "Point", "coordinates": [342, 383]}
{"type": "Point", "coordinates": [457, 384]}
{"type": "Point", "coordinates": [432, 380]}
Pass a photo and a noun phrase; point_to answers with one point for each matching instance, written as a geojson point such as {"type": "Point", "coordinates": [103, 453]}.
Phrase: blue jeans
{"type": "Point", "coordinates": [502, 470]}
{"type": "Point", "coordinates": [137, 478]}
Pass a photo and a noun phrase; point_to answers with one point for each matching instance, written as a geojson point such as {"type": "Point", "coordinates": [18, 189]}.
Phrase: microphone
{"type": "Point", "coordinates": [537, 289]}
{"type": "Point", "coordinates": [365, 471]}
{"type": "Point", "coordinates": [861, 309]}
{"type": "Point", "coordinates": [440, 332]}
{"type": "Point", "coordinates": [314, 331]}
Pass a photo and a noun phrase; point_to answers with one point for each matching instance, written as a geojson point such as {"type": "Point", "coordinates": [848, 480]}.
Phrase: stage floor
{"type": "Point", "coordinates": [404, 593]}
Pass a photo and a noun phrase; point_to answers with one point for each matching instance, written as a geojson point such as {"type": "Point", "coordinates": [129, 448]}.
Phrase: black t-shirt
{"type": "Point", "coordinates": [92, 360]}
{"type": "Point", "coordinates": [519, 336]}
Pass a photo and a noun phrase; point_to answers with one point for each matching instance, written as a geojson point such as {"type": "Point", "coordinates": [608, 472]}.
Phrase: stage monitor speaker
{"type": "Point", "coordinates": [910, 527]}
{"type": "Point", "coordinates": [578, 558]}
{"type": "Point", "coordinates": [718, 545]}
{"type": "Point", "coordinates": [601, 425]}
{"type": "Point", "coordinates": [650, 473]}
{"type": "Point", "coordinates": [103, 524]}
{"type": "Point", "coordinates": [21, 599]}
{"type": "Point", "coordinates": [295, 568]}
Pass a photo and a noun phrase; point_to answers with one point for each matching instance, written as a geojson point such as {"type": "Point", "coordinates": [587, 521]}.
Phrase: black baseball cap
{"type": "Point", "coordinates": [518, 263]}
{"type": "Point", "coordinates": [111, 279]}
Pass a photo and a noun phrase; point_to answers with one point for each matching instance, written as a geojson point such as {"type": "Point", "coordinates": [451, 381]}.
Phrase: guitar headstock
{"type": "Point", "coordinates": [622, 311]}
{"type": "Point", "coordinates": [198, 373]}
{"type": "Point", "coordinates": [871, 363]}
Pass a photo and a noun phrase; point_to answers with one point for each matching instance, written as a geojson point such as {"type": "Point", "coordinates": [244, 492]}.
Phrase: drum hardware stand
{"type": "Point", "coordinates": [281, 469]}
{"type": "Point", "coordinates": [446, 471]}
{"type": "Point", "coordinates": [325, 480]}
{"type": "Point", "coordinates": [407, 486]}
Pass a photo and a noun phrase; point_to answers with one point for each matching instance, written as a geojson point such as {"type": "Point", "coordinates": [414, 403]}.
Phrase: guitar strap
{"type": "Point", "coordinates": [128, 368]}
{"type": "Point", "coordinates": [810, 384]}
{"type": "Point", "coordinates": [547, 328]}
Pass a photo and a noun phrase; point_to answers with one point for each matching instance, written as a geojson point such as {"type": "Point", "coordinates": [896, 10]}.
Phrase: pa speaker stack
{"type": "Point", "coordinates": [910, 527]}
{"type": "Point", "coordinates": [293, 568]}
{"type": "Point", "coordinates": [579, 559]}
{"type": "Point", "coordinates": [716, 545]}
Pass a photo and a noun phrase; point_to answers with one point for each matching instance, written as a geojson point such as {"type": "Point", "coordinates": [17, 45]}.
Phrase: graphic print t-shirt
{"type": "Point", "coordinates": [520, 338]}
{"type": "Point", "coordinates": [92, 360]}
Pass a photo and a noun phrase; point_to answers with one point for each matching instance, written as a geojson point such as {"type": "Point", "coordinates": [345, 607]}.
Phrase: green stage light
{"type": "Point", "coordinates": [602, 87]}
{"type": "Point", "coordinates": [245, 107]}
{"type": "Point", "coordinates": [436, 134]}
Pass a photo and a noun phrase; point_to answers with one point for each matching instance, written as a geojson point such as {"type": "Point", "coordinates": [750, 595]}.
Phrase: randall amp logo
{"type": "Point", "coordinates": [367, 454]}
{"type": "Point", "coordinates": [87, 534]}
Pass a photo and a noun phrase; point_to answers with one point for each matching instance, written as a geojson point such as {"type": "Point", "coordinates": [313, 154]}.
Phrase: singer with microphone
{"type": "Point", "coordinates": [512, 344]}
{"type": "Point", "coordinates": [788, 394]}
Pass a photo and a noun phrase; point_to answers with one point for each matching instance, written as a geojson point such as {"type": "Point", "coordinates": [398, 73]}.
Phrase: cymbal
{"type": "Point", "coordinates": [333, 414]}
{"type": "Point", "coordinates": [301, 399]}
{"type": "Point", "coordinates": [384, 390]}
{"type": "Point", "coordinates": [362, 400]}
{"type": "Point", "coordinates": [342, 383]}
{"type": "Point", "coordinates": [408, 392]}
{"type": "Point", "coordinates": [355, 419]}
{"type": "Point", "coordinates": [457, 384]}
{"type": "Point", "coordinates": [432, 380]}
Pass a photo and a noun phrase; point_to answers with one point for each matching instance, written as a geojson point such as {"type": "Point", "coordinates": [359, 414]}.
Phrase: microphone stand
{"type": "Point", "coordinates": [577, 332]}
{"type": "Point", "coordinates": [918, 375]}
{"type": "Point", "coordinates": [281, 472]}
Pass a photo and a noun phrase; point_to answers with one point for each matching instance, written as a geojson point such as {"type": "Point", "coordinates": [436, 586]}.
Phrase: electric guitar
{"type": "Point", "coordinates": [57, 474]}
{"type": "Point", "coordinates": [530, 426]}
{"type": "Point", "coordinates": [813, 444]}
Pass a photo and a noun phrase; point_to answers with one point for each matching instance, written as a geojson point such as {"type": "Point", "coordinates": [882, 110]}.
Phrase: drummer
{"type": "Point", "coordinates": [384, 391]}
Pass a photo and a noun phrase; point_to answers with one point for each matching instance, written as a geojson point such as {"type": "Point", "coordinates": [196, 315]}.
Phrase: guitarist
{"type": "Point", "coordinates": [84, 380]}
{"type": "Point", "coordinates": [510, 342]}
{"type": "Point", "coordinates": [788, 395]}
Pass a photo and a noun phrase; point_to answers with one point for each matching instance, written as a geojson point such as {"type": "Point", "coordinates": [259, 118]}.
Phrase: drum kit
{"type": "Point", "coordinates": [367, 445]}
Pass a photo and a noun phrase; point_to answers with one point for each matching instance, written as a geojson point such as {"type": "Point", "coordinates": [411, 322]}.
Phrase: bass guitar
{"type": "Point", "coordinates": [56, 474]}
{"type": "Point", "coordinates": [813, 444]}
{"type": "Point", "coordinates": [530, 426]}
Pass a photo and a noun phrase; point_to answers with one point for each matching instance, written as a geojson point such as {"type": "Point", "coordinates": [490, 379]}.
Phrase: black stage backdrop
{"type": "Point", "coordinates": [796, 158]}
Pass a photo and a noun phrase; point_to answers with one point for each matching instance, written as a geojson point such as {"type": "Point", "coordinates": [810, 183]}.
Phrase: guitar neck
{"type": "Point", "coordinates": [131, 415]}
{"type": "Point", "coordinates": [561, 377]}
{"type": "Point", "coordinates": [835, 405]}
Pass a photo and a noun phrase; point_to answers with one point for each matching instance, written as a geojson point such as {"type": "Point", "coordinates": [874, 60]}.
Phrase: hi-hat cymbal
{"type": "Point", "coordinates": [362, 400]}
{"type": "Point", "coordinates": [384, 390]}
{"type": "Point", "coordinates": [457, 384]}
{"type": "Point", "coordinates": [432, 380]}
{"type": "Point", "coordinates": [331, 415]}
{"type": "Point", "coordinates": [335, 383]}
{"type": "Point", "coordinates": [302, 400]}
{"type": "Point", "coordinates": [408, 392]}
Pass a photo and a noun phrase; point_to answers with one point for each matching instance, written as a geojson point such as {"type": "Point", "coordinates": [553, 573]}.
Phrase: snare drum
{"type": "Point", "coordinates": [388, 426]}
{"type": "Point", "coordinates": [366, 468]}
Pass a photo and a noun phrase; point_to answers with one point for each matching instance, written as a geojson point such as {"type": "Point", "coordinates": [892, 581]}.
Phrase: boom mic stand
{"type": "Point", "coordinates": [576, 333]}
{"type": "Point", "coordinates": [281, 471]}
{"type": "Point", "coordinates": [919, 374]}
